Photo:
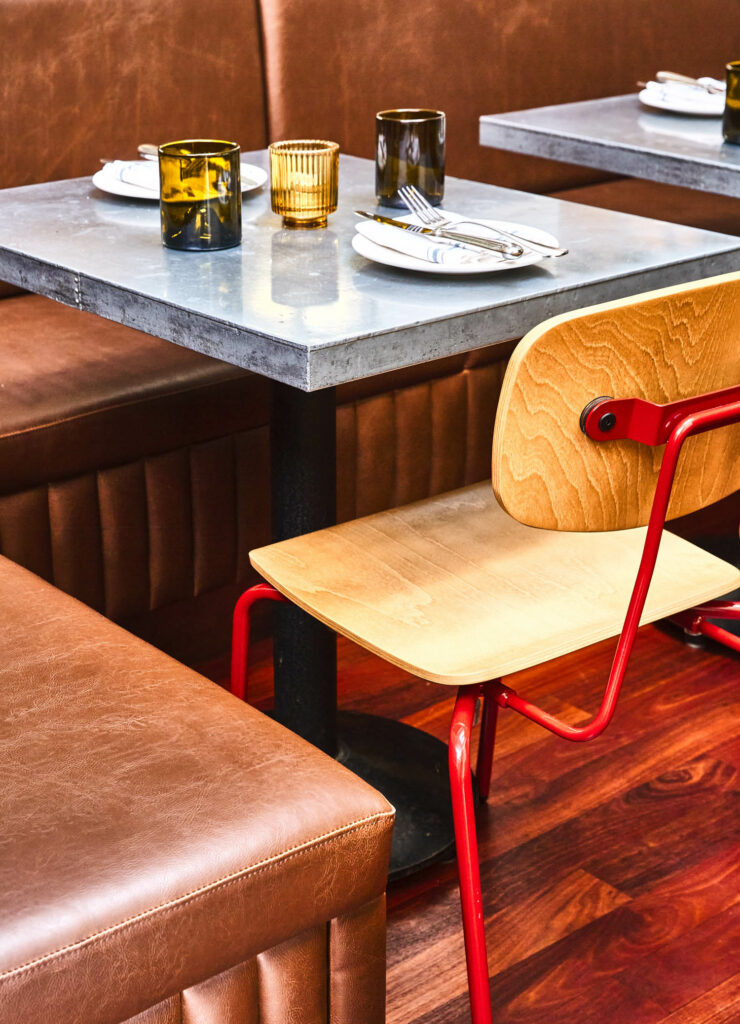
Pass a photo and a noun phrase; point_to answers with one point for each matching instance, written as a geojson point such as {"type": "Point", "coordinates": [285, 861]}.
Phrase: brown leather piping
{"type": "Point", "coordinates": [235, 876]}
{"type": "Point", "coordinates": [159, 396]}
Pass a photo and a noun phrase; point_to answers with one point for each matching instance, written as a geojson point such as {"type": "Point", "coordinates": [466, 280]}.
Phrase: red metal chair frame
{"type": "Point", "coordinates": [604, 419]}
{"type": "Point", "coordinates": [240, 633]}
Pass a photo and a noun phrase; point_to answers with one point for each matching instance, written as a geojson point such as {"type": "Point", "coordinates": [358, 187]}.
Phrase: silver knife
{"type": "Point", "coordinates": [472, 242]}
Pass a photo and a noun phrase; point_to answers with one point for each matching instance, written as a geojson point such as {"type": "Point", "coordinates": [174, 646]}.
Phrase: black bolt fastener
{"type": "Point", "coordinates": [607, 422]}
{"type": "Point", "coordinates": [589, 407]}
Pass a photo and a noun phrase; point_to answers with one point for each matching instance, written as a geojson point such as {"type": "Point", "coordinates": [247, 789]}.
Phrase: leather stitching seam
{"type": "Point", "coordinates": [231, 879]}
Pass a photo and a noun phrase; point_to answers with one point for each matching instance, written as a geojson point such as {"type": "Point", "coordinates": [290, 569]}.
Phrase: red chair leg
{"type": "Point", "coordinates": [463, 813]}
{"type": "Point", "coordinates": [240, 634]}
{"type": "Point", "coordinates": [721, 636]}
{"type": "Point", "coordinates": [489, 720]}
{"type": "Point", "coordinates": [694, 623]}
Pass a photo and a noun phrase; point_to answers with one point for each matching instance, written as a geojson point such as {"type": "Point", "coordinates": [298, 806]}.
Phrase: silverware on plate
{"type": "Point", "coordinates": [664, 77]}
{"type": "Point", "coordinates": [673, 76]}
{"type": "Point", "coordinates": [473, 242]}
{"type": "Point", "coordinates": [430, 216]}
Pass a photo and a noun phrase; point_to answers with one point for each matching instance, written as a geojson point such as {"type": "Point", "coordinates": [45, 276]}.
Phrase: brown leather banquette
{"type": "Point", "coordinates": [484, 56]}
{"type": "Point", "coordinates": [169, 854]}
{"type": "Point", "coordinates": [134, 474]}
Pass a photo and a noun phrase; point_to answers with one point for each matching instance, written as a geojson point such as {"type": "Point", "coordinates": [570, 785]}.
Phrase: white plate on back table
{"type": "Point", "coordinates": [392, 258]}
{"type": "Point", "coordinates": [253, 177]}
{"type": "Point", "coordinates": [700, 104]}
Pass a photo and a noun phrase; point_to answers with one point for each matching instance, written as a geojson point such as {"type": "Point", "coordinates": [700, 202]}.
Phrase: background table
{"type": "Point", "coordinates": [303, 309]}
{"type": "Point", "coordinates": [619, 134]}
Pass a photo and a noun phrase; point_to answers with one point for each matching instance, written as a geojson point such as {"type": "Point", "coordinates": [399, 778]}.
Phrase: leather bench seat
{"type": "Point", "coordinates": [136, 473]}
{"type": "Point", "coordinates": [166, 846]}
{"type": "Point", "coordinates": [80, 393]}
{"type": "Point", "coordinates": [662, 202]}
{"type": "Point", "coordinates": [128, 471]}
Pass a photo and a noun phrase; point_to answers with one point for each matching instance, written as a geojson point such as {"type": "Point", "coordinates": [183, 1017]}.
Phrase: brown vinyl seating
{"type": "Point", "coordinates": [168, 855]}
{"type": "Point", "coordinates": [133, 473]}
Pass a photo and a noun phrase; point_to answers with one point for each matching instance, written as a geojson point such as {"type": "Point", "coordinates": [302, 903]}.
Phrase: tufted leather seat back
{"type": "Point", "coordinates": [330, 974]}
{"type": "Point", "coordinates": [85, 79]}
{"type": "Point", "coordinates": [331, 65]}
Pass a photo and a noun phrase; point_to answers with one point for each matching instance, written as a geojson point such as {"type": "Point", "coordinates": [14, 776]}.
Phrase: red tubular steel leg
{"type": "Point", "coordinates": [489, 719]}
{"type": "Point", "coordinates": [722, 636]}
{"type": "Point", "coordinates": [240, 634]}
{"type": "Point", "coordinates": [463, 813]}
{"type": "Point", "coordinates": [694, 622]}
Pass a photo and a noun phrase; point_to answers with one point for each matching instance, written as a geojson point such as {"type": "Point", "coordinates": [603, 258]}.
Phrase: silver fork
{"type": "Point", "coordinates": [418, 204]}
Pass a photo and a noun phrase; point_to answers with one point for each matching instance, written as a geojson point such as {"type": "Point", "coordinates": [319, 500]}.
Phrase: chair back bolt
{"type": "Point", "coordinates": [607, 422]}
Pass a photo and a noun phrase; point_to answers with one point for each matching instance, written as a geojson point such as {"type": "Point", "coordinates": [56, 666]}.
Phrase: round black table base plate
{"type": "Point", "coordinates": [409, 767]}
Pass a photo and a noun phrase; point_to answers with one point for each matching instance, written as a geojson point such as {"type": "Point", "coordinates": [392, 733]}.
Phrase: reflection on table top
{"type": "Point", "coordinates": [303, 307]}
{"type": "Point", "coordinates": [619, 134]}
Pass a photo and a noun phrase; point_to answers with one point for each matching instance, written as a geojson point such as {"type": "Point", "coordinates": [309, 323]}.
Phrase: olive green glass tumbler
{"type": "Point", "coordinates": [304, 181]}
{"type": "Point", "coordinates": [731, 119]}
{"type": "Point", "coordinates": [409, 150]}
{"type": "Point", "coordinates": [200, 195]}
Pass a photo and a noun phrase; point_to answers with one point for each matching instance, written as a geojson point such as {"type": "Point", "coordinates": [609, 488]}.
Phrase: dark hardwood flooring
{"type": "Point", "coordinates": [611, 870]}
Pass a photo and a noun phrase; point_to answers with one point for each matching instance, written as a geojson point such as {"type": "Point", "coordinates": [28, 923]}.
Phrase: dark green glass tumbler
{"type": "Point", "coordinates": [409, 150]}
{"type": "Point", "coordinates": [731, 119]}
{"type": "Point", "coordinates": [200, 195]}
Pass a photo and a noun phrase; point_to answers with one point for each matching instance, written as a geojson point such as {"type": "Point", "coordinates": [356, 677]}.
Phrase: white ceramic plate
{"type": "Point", "coordinates": [700, 103]}
{"type": "Point", "coordinates": [393, 258]}
{"type": "Point", "coordinates": [252, 178]}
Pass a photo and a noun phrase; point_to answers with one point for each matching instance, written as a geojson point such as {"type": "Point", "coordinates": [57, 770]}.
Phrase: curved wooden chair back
{"type": "Point", "coordinates": [662, 346]}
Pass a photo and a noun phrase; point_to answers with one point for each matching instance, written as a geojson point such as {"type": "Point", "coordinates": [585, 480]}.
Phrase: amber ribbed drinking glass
{"type": "Point", "coordinates": [409, 150]}
{"type": "Point", "coordinates": [731, 119]}
{"type": "Point", "coordinates": [304, 181]}
{"type": "Point", "coordinates": [200, 194]}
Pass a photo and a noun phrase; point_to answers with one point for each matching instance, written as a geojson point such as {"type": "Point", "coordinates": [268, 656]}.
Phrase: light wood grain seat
{"type": "Point", "coordinates": [612, 420]}
{"type": "Point", "coordinates": [455, 591]}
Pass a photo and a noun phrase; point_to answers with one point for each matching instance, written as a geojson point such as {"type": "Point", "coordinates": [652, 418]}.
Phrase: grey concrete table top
{"type": "Point", "coordinates": [619, 134]}
{"type": "Point", "coordinates": [303, 307]}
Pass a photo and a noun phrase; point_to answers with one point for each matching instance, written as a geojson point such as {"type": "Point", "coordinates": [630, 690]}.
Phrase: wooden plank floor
{"type": "Point", "coordinates": [611, 870]}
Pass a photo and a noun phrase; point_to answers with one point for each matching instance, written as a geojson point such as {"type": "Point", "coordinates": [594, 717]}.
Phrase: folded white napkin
{"type": "Point", "coordinates": [141, 173]}
{"type": "Point", "coordinates": [713, 81]}
{"type": "Point", "coordinates": [144, 174]}
{"type": "Point", "coordinates": [422, 247]}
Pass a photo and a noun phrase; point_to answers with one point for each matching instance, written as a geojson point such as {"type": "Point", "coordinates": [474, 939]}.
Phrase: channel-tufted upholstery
{"type": "Point", "coordinates": [160, 542]}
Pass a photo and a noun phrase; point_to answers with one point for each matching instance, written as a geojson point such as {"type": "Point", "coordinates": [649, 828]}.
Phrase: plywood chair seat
{"type": "Point", "coordinates": [612, 421]}
{"type": "Point", "coordinates": [455, 591]}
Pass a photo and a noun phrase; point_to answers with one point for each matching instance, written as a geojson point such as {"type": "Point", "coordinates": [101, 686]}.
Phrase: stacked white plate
{"type": "Point", "coordinates": [139, 179]}
{"type": "Point", "coordinates": [685, 99]}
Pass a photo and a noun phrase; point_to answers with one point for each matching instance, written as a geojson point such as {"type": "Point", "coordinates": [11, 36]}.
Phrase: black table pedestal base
{"type": "Point", "coordinates": [409, 767]}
